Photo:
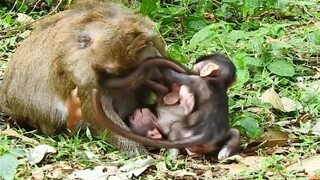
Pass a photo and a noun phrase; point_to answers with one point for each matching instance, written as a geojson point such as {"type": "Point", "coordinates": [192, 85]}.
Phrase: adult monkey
{"type": "Point", "coordinates": [75, 50]}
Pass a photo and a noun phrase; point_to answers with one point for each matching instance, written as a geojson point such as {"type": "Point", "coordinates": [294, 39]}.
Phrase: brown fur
{"type": "Point", "coordinates": [69, 50]}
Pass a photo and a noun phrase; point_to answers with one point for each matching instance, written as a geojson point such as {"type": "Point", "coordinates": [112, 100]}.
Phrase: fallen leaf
{"type": "Point", "coordinates": [10, 132]}
{"type": "Point", "coordinates": [161, 166]}
{"type": "Point", "coordinates": [135, 168]}
{"type": "Point", "coordinates": [270, 138]}
{"type": "Point", "coordinates": [302, 118]}
{"type": "Point", "coordinates": [253, 161]}
{"type": "Point", "coordinates": [181, 173]}
{"type": "Point", "coordinates": [315, 25]}
{"type": "Point", "coordinates": [316, 128]}
{"type": "Point", "coordinates": [38, 153]}
{"type": "Point", "coordinates": [270, 96]}
{"type": "Point", "coordinates": [24, 19]}
{"type": "Point", "coordinates": [277, 150]}
{"type": "Point", "coordinates": [97, 173]}
{"type": "Point", "coordinates": [53, 171]}
{"type": "Point", "coordinates": [233, 168]}
{"type": "Point", "coordinates": [309, 164]}
{"type": "Point", "coordinates": [89, 154]}
{"type": "Point", "coordinates": [246, 163]}
{"type": "Point", "coordinates": [290, 104]}
{"type": "Point", "coordinates": [273, 134]}
{"type": "Point", "coordinates": [137, 164]}
{"type": "Point", "coordinates": [316, 76]}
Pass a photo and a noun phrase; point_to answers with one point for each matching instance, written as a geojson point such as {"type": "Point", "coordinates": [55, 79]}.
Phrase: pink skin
{"type": "Point", "coordinates": [143, 122]}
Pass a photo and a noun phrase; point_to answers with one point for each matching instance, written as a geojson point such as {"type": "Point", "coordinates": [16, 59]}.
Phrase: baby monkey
{"type": "Point", "coordinates": [155, 122]}
{"type": "Point", "coordinates": [202, 130]}
{"type": "Point", "coordinates": [200, 103]}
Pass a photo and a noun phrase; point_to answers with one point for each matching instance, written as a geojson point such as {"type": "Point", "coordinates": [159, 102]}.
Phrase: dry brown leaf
{"type": "Point", "coordinates": [316, 76]}
{"type": "Point", "coordinates": [277, 150]}
{"type": "Point", "coordinates": [246, 163]}
{"type": "Point", "coordinates": [10, 132]}
{"type": "Point", "coordinates": [270, 138]}
{"type": "Point", "coordinates": [234, 168]}
{"type": "Point", "coordinates": [315, 25]}
{"type": "Point", "coordinates": [253, 161]}
{"type": "Point", "coordinates": [53, 171]}
{"type": "Point", "coordinates": [270, 96]}
{"type": "Point", "coordinates": [303, 118]}
{"type": "Point", "coordinates": [273, 134]}
{"type": "Point", "coordinates": [310, 164]}
{"type": "Point", "coordinates": [181, 173]}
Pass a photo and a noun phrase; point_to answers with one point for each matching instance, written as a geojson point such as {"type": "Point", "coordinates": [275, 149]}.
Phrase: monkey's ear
{"type": "Point", "coordinates": [210, 69]}
{"type": "Point", "coordinates": [171, 98]}
{"type": "Point", "coordinates": [84, 40]}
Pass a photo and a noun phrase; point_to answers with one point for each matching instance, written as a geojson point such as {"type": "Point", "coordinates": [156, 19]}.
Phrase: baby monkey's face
{"type": "Point", "coordinates": [143, 122]}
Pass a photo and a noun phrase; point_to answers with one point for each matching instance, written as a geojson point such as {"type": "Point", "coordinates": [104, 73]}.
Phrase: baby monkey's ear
{"type": "Point", "coordinates": [209, 70]}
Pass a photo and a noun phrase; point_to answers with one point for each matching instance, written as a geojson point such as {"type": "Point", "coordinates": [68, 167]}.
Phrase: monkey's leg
{"type": "Point", "coordinates": [231, 146]}
{"type": "Point", "coordinates": [175, 133]}
{"type": "Point", "coordinates": [74, 110]}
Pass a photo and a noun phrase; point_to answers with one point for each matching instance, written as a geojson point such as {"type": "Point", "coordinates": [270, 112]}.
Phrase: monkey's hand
{"type": "Point", "coordinates": [186, 99]}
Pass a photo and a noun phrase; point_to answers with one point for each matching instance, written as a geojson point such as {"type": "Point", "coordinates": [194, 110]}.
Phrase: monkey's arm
{"type": "Point", "coordinates": [181, 78]}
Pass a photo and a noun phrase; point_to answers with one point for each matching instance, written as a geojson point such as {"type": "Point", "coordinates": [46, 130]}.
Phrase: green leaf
{"type": "Point", "coordinates": [176, 53]}
{"type": "Point", "coordinates": [148, 7]}
{"type": "Point", "coordinates": [253, 61]}
{"type": "Point", "coordinates": [8, 167]}
{"type": "Point", "coordinates": [251, 126]}
{"type": "Point", "coordinates": [235, 35]}
{"type": "Point", "coordinates": [196, 23]}
{"type": "Point", "coordinates": [243, 76]}
{"type": "Point", "coordinates": [19, 152]}
{"type": "Point", "coordinates": [279, 45]}
{"type": "Point", "coordinates": [257, 44]}
{"type": "Point", "coordinates": [281, 68]}
{"type": "Point", "coordinates": [88, 134]}
{"type": "Point", "coordinates": [201, 35]}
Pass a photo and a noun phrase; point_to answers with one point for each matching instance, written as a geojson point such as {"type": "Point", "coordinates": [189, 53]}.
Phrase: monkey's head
{"type": "Point", "coordinates": [218, 67]}
{"type": "Point", "coordinates": [125, 42]}
{"type": "Point", "coordinates": [143, 123]}
{"type": "Point", "coordinates": [111, 41]}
